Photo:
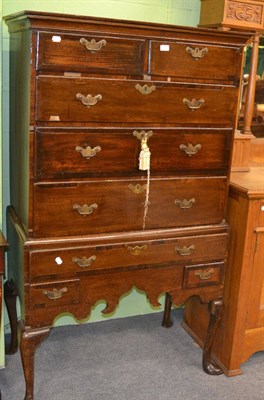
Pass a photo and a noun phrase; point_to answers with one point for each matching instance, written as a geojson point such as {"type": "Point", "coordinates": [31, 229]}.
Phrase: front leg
{"type": "Point", "coordinates": [216, 312]}
{"type": "Point", "coordinates": [30, 340]}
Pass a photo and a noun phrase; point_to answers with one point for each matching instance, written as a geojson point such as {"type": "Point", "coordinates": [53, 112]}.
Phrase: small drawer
{"type": "Point", "coordinates": [115, 101]}
{"type": "Point", "coordinates": [90, 53]}
{"type": "Point", "coordinates": [54, 294]}
{"type": "Point", "coordinates": [84, 153]}
{"type": "Point", "coordinates": [203, 275]}
{"type": "Point", "coordinates": [90, 259]}
{"type": "Point", "coordinates": [194, 61]}
{"type": "Point", "coordinates": [72, 208]}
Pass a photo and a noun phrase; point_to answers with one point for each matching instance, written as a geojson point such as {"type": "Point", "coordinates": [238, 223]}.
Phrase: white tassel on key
{"type": "Point", "coordinates": [144, 156]}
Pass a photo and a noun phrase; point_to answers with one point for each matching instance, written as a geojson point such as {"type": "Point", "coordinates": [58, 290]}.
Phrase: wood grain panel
{"type": "Point", "coordinates": [122, 102]}
{"type": "Point", "coordinates": [57, 157]}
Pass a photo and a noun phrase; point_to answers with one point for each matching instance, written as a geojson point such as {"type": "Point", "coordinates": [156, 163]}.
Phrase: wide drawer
{"type": "Point", "coordinates": [110, 206]}
{"type": "Point", "coordinates": [61, 99]}
{"type": "Point", "coordinates": [90, 53]}
{"type": "Point", "coordinates": [71, 153]}
{"type": "Point", "coordinates": [93, 259]}
{"type": "Point", "coordinates": [195, 61]}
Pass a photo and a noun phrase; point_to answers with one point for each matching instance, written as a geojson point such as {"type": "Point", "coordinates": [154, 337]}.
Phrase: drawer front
{"type": "Point", "coordinates": [114, 152]}
{"type": "Point", "coordinates": [203, 275]}
{"type": "Point", "coordinates": [196, 61]}
{"type": "Point", "coordinates": [89, 259]}
{"type": "Point", "coordinates": [54, 294]}
{"type": "Point", "coordinates": [70, 100]}
{"type": "Point", "coordinates": [111, 206]}
{"type": "Point", "coordinates": [90, 53]}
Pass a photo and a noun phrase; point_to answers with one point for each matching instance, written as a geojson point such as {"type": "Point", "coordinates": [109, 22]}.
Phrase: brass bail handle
{"type": "Point", "coordinates": [92, 45]}
{"type": "Point", "coordinates": [55, 294]}
{"type": "Point", "coordinates": [196, 52]}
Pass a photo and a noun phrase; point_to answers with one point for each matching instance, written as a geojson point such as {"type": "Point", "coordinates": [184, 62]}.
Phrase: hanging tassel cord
{"type": "Point", "coordinates": [147, 202]}
{"type": "Point", "coordinates": [144, 165]}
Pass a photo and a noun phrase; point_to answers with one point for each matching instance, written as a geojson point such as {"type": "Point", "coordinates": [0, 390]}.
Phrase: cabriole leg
{"type": "Point", "coordinates": [216, 312]}
{"type": "Point", "coordinates": [30, 340]}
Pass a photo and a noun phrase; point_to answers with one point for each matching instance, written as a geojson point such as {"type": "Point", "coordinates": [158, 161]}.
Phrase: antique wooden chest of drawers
{"type": "Point", "coordinates": [92, 214]}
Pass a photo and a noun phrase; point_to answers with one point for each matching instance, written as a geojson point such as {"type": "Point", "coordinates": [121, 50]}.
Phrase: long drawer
{"type": "Point", "coordinates": [111, 101]}
{"type": "Point", "coordinates": [119, 205]}
{"type": "Point", "coordinates": [70, 153]}
{"type": "Point", "coordinates": [54, 263]}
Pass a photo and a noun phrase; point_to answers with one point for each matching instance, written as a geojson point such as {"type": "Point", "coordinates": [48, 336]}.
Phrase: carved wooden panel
{"type": "Point", "coordinates": [244, 13]}
{"type": "Point", "coordinates": [248, 14]}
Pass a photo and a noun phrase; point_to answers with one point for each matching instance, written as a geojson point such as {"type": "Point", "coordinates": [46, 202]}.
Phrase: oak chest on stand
{"type": "Point", "coordinates": [88, 220]}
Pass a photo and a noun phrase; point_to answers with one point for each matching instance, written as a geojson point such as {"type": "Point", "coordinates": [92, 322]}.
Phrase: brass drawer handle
{"type": "Point", "coordinates": [193, 104]}
{"type": "Point", "coordinates": [92, 45]}
{"type": "Point", "coordinates": [87, 152]}
{"type": "Point", "coordinates": [88, 100]}
{"type": "Point", "coordinates": [84, 262]}
{"type": "Point", "coordinates": [203, 275]}
{"type": "Point", "coordinates": [197, 53]}
{"type": "Point", "coordinates": [137, 189]}
{"type": "Point", "coordinates": [137, 250]}
{"type": "Point", "coordinates": [85, 209]}
{"type": "Point", "coordinates": [145, 89]}
{"type": "Point", "coordinates": [185, 204]}
{"type": "Point", "coordinates": [185, 251]}
{"type": "Point", "coordinates": [190, 149]}
{"type": "Point", "coordinates": [55, 294]}
{"type": "Point", "coordinates": [142, 134]}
